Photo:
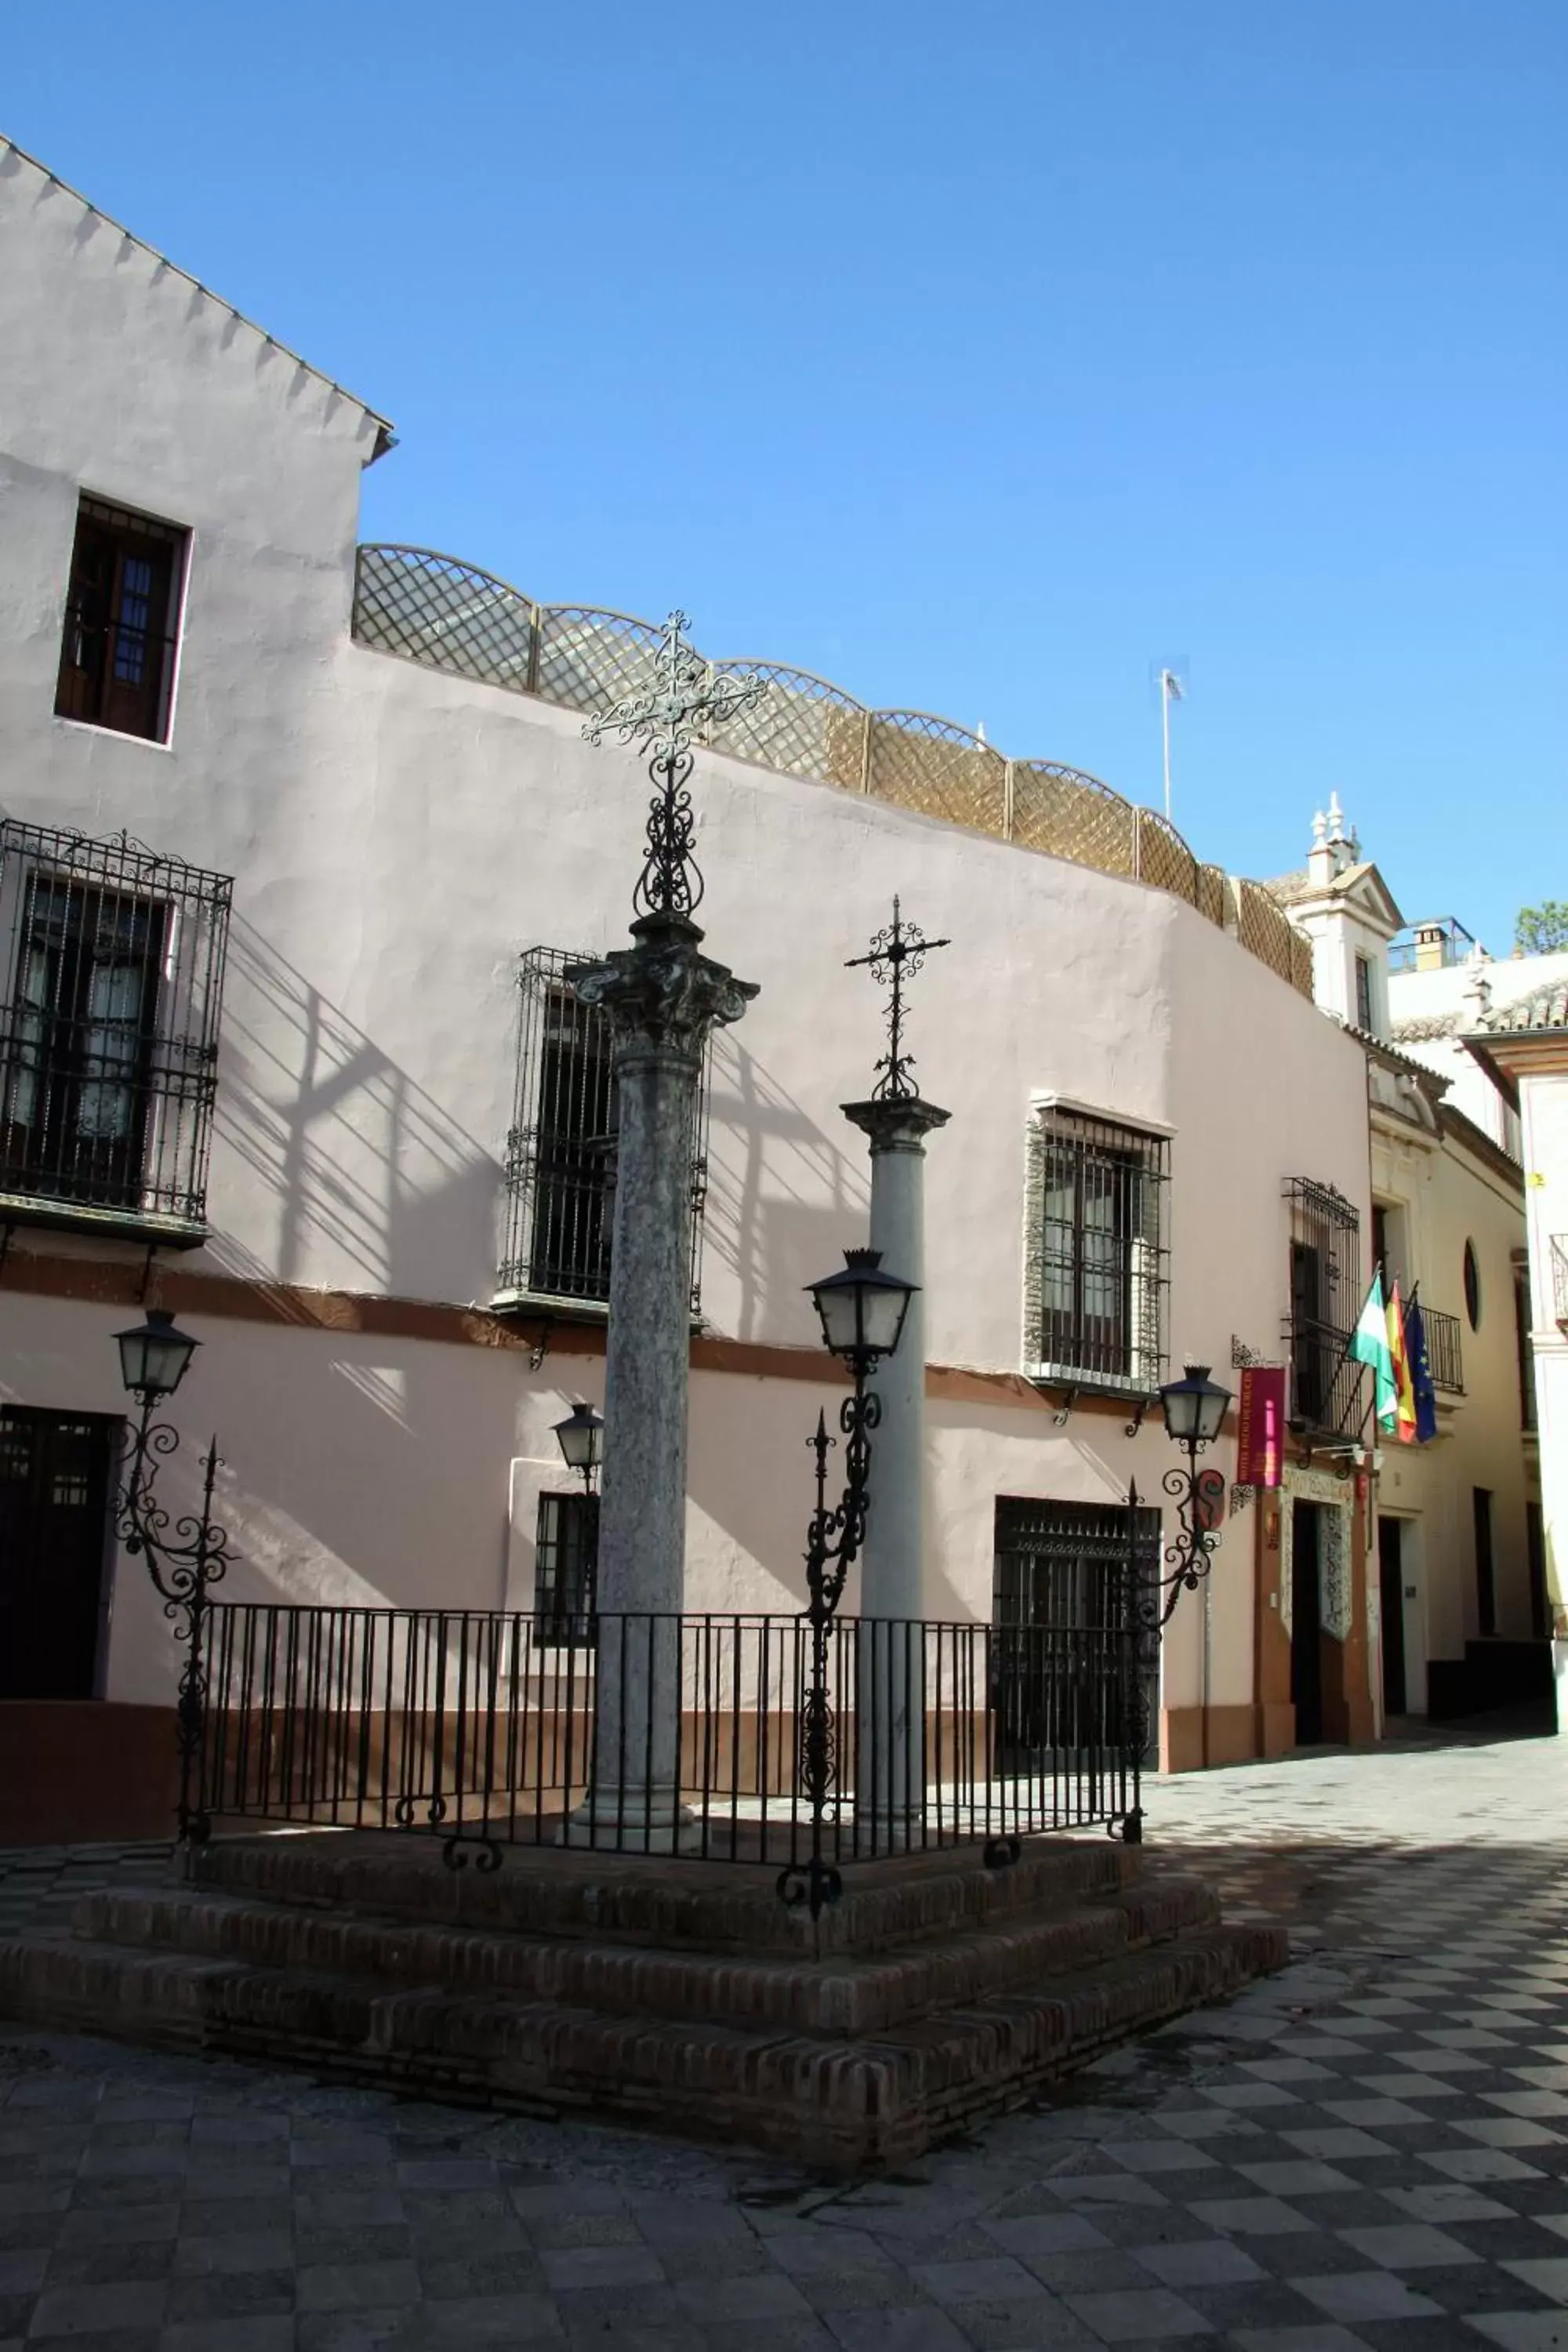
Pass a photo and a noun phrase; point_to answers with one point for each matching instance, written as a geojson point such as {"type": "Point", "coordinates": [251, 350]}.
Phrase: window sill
{"type": "Point", "coordinates": [95, 727]}
{"type": "Point", "coordinates": [541, 1306]}
{"type": "Point", "coordinates": [147, 1226]}
{"type": "Point", "coordinates": [536, 1303]}
{"type": "Point", "coordinates": [1120, 1385]}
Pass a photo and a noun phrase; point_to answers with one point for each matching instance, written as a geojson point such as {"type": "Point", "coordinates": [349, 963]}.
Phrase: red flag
{"type": "Point", "coordinates": [1260, 1453]}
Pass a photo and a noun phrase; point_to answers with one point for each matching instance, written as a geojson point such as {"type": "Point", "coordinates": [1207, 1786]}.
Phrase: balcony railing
{"type": "Point", "coordinates": [1445, 1359]}
{"type": "Point", "coordinates": [432, 609]}
{"type": "Point", "coordinates": [1560, 1280]}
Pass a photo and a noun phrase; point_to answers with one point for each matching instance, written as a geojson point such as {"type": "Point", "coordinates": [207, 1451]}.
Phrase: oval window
{"type": "Point", "coordinates": [1472, 1287]}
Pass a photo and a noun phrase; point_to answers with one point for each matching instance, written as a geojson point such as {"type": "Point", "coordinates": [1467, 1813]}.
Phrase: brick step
{"type": "Point", "coordinates": [667, 1899]}
{"type": "Point", "coordinates": [869, 2100]}
{"type": "Point", "coordinates": [842, 1994]}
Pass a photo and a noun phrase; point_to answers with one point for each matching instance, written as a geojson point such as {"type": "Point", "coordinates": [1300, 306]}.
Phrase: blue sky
{"type": "Point", "coordinates": [976, 359]}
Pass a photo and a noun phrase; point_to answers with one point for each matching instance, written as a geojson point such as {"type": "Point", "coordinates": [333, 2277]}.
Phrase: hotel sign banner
{"type": "Point", "coordinates": [1260, 1450]}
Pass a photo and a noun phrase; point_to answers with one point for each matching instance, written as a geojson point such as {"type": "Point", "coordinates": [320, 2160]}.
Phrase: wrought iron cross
{"type": "Point", "coordinates": [659, 722]}
{"type": "Point", "coordinates": [899, 948]}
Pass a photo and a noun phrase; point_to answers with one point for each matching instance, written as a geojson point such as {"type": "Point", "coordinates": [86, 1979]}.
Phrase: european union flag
{"type": "Point", "coordinates": [1420, 1376]}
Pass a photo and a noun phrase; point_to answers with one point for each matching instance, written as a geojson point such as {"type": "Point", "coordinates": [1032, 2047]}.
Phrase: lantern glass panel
{"type": "Point", "coordinates": [154, 1356]}
{"type": "Point", "coordinates": [581, 1438]}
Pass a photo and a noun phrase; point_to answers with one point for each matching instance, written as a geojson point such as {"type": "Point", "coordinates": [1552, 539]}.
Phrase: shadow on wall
{"type": "Point", "coordinates": [364, 1469]}
{"type": "Point", "coordinates": [784, 1200]}
{"type": "Point", "coordinates": [346, 1146]}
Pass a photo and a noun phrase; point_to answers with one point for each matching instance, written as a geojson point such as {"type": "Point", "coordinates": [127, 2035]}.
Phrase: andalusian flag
{"type": "Point", "coordinates": [1404, 1386]}
{"type": "Point", "coordinates": [1368, 1345]}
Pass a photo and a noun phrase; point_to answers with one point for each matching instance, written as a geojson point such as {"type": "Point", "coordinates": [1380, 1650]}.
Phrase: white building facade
{"type": "Point", "coordinates": [1460, 1563]}
{"type": "Point", "coordinates": [298, 842]}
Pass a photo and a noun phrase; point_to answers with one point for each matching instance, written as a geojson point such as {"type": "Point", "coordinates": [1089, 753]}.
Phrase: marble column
{"type": "Point", "coordinates": [663, 998]}
{"type": "Point", "coordinates": [890, 1772]}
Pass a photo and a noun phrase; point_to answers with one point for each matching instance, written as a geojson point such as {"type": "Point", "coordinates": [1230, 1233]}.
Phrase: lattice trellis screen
{"type": "Point", "coordinates": [928, 764]}
{"type": "Point", "coordinates": [430, 608]}
{"type": "Point", "coordinates": [444, 615]}
{"type": "Point", "coordinates": [1163, 857]}
{"type": "Point", "coordinates": [801, 726]}
{"type": "Point", "coordinates": [1069, 814]}
{"type": "Point", "coordinates": [588, 658]}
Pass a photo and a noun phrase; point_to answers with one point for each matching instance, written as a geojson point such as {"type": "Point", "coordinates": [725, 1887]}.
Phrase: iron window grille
{"type": "Point", "coordinates": [112, 958]}
{"type": "Point", "coordinates": [565, 1569]}
{"type": "Point", "coordinates": [1097, 1271]}
{"type": "Point", "coordinates": [1326, 1294]}
{"type": "Point", "coordinates": [117, 649]}
{"type": "Point", "coordinates": [1065, 1643]}
{"type": "Point", "coordinates": [561, 1149]}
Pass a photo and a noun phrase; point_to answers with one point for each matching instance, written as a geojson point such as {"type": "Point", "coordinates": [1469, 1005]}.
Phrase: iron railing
{"type": "Point", "coordinates": [1325, 1299]}
{"type": "Point", "coordinates": [465, 1724]}
{"type": "Point", "coordinates": [109, 1036]}
{"type": "Point", "coordinates": [445, 615]}
{"type": "Point", "coordinates": [1445, 1355]}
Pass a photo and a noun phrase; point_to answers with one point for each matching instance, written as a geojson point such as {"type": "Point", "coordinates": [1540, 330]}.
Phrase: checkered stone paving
{"type": "Point", "coordinates": [1368, 2150]}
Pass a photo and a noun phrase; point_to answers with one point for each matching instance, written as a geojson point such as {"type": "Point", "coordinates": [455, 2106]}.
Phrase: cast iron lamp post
{"type": "Point", "coordinates": [862, 1311]}
{"type": "Point", "coordinates": [1194, 1408]}
{"type": "Point", "coordinates": [580, 1437]}
{"type": "Point", "coordinates": [184, 1557]}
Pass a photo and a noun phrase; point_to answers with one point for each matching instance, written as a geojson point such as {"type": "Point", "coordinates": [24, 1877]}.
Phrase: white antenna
{"type": "Point", "coordinates": [1171, 690]}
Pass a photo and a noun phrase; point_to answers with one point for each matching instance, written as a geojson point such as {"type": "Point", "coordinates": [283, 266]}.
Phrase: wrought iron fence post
{"type": "Point", "coordinates": [833, 1544]}
{"type": "Point", "coordinates": [1139, 1647]}
{"type": "Point", "coordinates": [184, 1566]}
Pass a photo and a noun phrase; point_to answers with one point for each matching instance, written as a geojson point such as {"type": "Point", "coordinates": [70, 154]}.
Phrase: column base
{"type": "Point", "coordinates": [632, 1820]}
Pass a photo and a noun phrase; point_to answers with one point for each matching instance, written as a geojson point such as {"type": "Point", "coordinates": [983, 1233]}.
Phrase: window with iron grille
{"type": "Point", "coordinates": [1096, 1269]}
{"type": "Point", "coordinates": [112, 958]}
{"type": "Point", "coordinates": [1326, 1295]}
{"type": "Point", "coordinates": [560, 1151]}
{"type": "Point", "coordinates": [1363, 1010]}
{"type": "Point", "coordinates": [565, 1565]}
{"type": "Point", "coordinates": [1069, 1675]}
{"type": "Point", "coordinates": [117, 651]}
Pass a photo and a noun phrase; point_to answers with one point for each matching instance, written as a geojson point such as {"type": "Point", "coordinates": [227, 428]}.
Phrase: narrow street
{"type": "Point", "coordinates": [1366, 2150]}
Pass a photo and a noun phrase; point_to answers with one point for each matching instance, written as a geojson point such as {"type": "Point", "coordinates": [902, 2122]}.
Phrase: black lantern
{"type": "Point", "coordinates": [862, 1308]}
{"type": "Point", "coordinates": [1196, 1406]}
{"type": "Point", "coordinates": [152, 1357]}
{"type": "Point", "coordinates": [580, 1437]}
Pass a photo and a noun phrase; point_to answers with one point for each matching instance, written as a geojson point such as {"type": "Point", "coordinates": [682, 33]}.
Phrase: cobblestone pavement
{"type": "Point", "coordinates": [1368, 2150]}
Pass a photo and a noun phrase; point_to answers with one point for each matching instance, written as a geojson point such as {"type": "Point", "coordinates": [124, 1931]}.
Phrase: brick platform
{"type": "Point", "coordinates": [677, 1993]}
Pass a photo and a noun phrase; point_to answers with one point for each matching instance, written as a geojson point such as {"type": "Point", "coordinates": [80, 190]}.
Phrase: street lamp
{"type": "Point", "coordinates": [861, 1309]}
{"type": "Point", "coordinates": [1194, 1408]}
{"type": "Point", "coordinates": [153, 1361]}
{"type": "Point", "coordinates": [580, 1437]}
{"type": "Point", "coordinates": [154, 1356]}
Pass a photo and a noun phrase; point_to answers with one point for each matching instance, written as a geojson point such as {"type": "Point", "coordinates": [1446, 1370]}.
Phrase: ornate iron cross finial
{"type": "Point", "coordinates": [899, 948]}
{"type": "Point", "coordinates": [660, 721]}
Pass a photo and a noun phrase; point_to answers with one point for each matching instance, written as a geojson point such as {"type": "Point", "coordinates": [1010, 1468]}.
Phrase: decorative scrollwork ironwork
{"type": "Point", "coordinates": [896, 949]}
{"type": "Point", "coordinates": [464, 1847]}
{"type": "Point", "coordinates": [837, 1532]}
{"type": "Point", "coordinates": [187, 1555]}
{"type": "Point", "coordinates": [660, 721]}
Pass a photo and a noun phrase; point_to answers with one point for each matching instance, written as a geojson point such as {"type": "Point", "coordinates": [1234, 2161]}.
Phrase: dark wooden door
{"type": "Point", "coordinates": [1306, 1626]}
{"type": "Point", "coordinates": [1391, 1590]}
{"type": "Point", "coordinates": [55, 1473]}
